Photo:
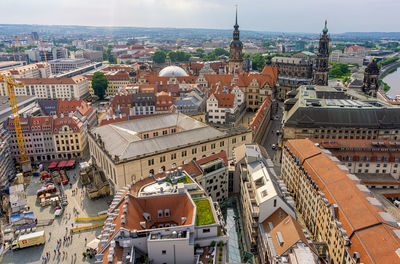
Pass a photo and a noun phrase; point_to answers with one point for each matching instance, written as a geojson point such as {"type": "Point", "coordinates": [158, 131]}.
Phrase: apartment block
{"type": "Point", "coordinates": [116, 81]}
{"type": "Point", "coordinates": [264, 198]}
{"type": "Point", "coordinates": [337, 209]}
{"type": "Point", "coordinates": [212, 175]}
{"type": "Point", "coordinates": [224, 105]}
{"type": "Point", "coordinates": [52, 88]}
{"type": "Point", "coordinates": [7, 167]}
{"type": "Point", "coordinates": [64, 65]}
{"type": "Point", "coordinates": [376, 163]}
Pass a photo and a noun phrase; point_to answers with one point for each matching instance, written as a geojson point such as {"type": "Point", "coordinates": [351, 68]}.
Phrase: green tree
{"type": "Point", "coordinates": [71, 48]}
{"type": "Point", "coordinates": [172, 55]}
{"type": "Point", "coordinates": [311, 48]}
{"type": "Point", "coordinates": [159, 56]}
{"type": "Point", "coordinates": [108, 56]}
{"type": "Point", "coordinates": [246, 55]}
{"type": "Point", "coordinates": [258, 61]}
{"type": "Point", "coordinates": [210, 56]}
{"type": "Point", "coordinates": [99, 84]}
{"type": "Point", "coordinates": [220, 52]}
{"type": "Point", "coordinates": [339, 70]}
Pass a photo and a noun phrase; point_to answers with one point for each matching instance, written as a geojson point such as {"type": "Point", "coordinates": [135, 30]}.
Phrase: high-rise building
{"type": "Point", "coordinates": [235, 50]}
{"type": "Point", "coordinates": [321, 68]}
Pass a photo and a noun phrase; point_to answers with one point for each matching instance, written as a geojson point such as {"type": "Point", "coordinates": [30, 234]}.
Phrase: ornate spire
{"type": "Point", "coordinates": [325, 30]}
{"type": "Point", "coordinates": [236, 26]}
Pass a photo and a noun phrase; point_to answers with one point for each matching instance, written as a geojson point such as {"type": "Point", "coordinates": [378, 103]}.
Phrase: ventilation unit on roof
{"type": "Point", "coordinates": [143, 224]}
{"type": "Point", "coordinates": [279, 237]}
{"type": "Point", "coordinates": [147, 216]}
{"type": "Point", "coordinates": [183, 220]}
{"type": "Point", "coordinates": [356, 256]}
{"type": "Point", "coordinates": [123, 219]}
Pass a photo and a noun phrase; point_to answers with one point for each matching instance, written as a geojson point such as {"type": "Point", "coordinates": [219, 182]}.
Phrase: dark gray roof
{"type": "Point", "coordinates": [345, 117]}
{"type": "Point", "coordinates": [48, 105]}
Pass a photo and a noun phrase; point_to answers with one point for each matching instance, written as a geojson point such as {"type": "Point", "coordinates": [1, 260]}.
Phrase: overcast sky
{"type": "Point", "coordinates": [263, 15]}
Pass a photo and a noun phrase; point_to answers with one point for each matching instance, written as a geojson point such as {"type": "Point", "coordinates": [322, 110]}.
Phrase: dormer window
{"type": "Point", "coordinates": [160, 213]}
{"type": "Point", "coordinates": [166, 212]}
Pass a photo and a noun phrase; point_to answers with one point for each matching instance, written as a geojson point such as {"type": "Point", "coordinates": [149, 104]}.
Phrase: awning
{"type": "Point", "coordinates": [62, 164]}
{"type": "Point", "coordinates": [93, 244]}
{"type": "Point", "coordinates": [53, 165]}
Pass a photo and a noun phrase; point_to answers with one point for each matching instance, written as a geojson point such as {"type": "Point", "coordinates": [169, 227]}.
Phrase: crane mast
{"type": "Point", "coordinates": [24, 161]}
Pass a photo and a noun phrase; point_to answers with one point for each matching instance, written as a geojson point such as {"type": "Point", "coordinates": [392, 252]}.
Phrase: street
{"type": "Point", "coordinates": [271, 137]}
{"type": "Point", "coordinates": [60, 226]}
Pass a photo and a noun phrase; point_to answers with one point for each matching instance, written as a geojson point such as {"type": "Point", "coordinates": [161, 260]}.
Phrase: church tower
{"type": "Point", "coordinates": [371, 75]}
{"type": "Point", "coordinates": [321, 67]}
{"type": "Point", "coordinates": [235, 50]}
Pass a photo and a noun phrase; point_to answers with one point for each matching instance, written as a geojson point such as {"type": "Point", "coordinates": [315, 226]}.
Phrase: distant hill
{"type": "Point", "coordinates": [171, 33]}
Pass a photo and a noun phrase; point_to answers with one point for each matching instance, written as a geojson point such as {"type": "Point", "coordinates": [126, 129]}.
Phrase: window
{"type": "Point", "coordinates": [164, 252]}
{"type": "Point", "coordinates": [184, 153]}
{"type": "Point", "coordinates": [222, 143]}
{"type": "Point", "coordinates": [155, 134]}
{"type": "Point", "coordinates": [213, 146]}
{"type": "Point", "coordinates": [274, 202]}
{"type": "Point", "coordinates": [165, 132]}
{"type": "Point", "coordinates": [151, 162]}
{"type": "Point", "coordinates": [173, 156]}
{"type": "Point", "coordinates": [243, 138]}
{"type": "Point", "coordinates": [146, 136]}
{"type": "Point", "coordinates": [194, 151]}
{"type": "Point", "coordinates": [162, 159]}
{"type": "Point", "coordinates": [233, 140]}
{"type": "Point", "coordinates": [203, 148]}
{"type": "Point", "coordinates": [206, 230]}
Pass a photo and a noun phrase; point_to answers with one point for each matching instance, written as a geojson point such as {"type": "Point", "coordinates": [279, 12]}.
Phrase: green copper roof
{"type": "Point", "coordinates": [325, 30]}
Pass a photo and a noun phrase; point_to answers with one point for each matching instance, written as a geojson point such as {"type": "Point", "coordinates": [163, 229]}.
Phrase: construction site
{"type": "Point", "coordinates": [50, 204]}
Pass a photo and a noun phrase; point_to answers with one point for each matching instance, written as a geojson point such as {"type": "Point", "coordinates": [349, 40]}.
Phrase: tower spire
{"type": "Point", "coordinates": [236, 15]}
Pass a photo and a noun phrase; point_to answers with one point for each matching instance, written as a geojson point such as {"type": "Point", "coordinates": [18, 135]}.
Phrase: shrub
{"type": "Point", "coordinates": [221, 244]}
{"type": "Point", "coordinates": [212, 243]}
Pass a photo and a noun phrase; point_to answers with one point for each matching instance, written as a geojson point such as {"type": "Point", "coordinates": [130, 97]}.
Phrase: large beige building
{"type": "Point", "coordinates": [330, 112]}
{"type": "Point", "coordinates": [52, 88]}
{"type": "Point", "coordinates": [339, 211]}
{"type": "Point", "coordinates": [134, 149]}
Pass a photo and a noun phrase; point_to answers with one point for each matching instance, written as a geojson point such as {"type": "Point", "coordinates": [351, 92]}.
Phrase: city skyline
{"type": "Point", "coordinates": [305, 17]}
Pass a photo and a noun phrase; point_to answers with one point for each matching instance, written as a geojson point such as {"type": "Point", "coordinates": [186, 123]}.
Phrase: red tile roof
{"type": "Point", "coordinates": [370, 235]}
{"type": "Point", "coordinates": [225, 100]}
{"type": "Point", "coordinates": [259, 116]}
{"type": "Point", "coordinates": [32, 81]}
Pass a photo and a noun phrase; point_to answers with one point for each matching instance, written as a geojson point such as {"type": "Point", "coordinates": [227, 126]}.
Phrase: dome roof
{"type": "Point", "coordinates": [172, 70]}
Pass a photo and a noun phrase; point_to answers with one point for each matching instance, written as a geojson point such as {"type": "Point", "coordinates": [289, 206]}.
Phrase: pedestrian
{"type": "Point", "coordinates": [66, 229]}
{"type": "Point", "coordinates": [85, 240]}
{"type": "Point", "coordinates": [49, 233]}
{"type": "Point", "coordinates": [55, 252]}
{"type": "Point", "coordinates": [47, 254]}
{"type": "Point", "coordinates": [72, 224]}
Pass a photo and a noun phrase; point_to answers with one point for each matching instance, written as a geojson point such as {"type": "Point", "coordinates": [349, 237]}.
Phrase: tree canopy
{"type": "Point", "coordinates": [258, 61]}
{"type": "Point", "coordinates": [339, 70]}
{"type": "Point", "coordinates": [108, 56]}
{"type": "Point", "coordinates": [99, 84]}
{"type": "Point", "coordinates": [159, 56]}
{"type": "Point", "coordinates": [179, 56]}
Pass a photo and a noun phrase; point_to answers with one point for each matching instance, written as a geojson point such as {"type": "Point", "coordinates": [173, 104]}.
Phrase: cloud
{"type": "Point", "coordinates": [283, 15]}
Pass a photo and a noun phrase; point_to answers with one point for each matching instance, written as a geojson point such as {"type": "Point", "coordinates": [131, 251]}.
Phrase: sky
{"type": "Point", "coordinates": [261, 15]}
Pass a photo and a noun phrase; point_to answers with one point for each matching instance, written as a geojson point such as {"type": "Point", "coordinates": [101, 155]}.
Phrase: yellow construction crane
{"type": "Point", "coordinates": [11, 83]}
{"type": "Point", "coordinates": [44, 50]}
